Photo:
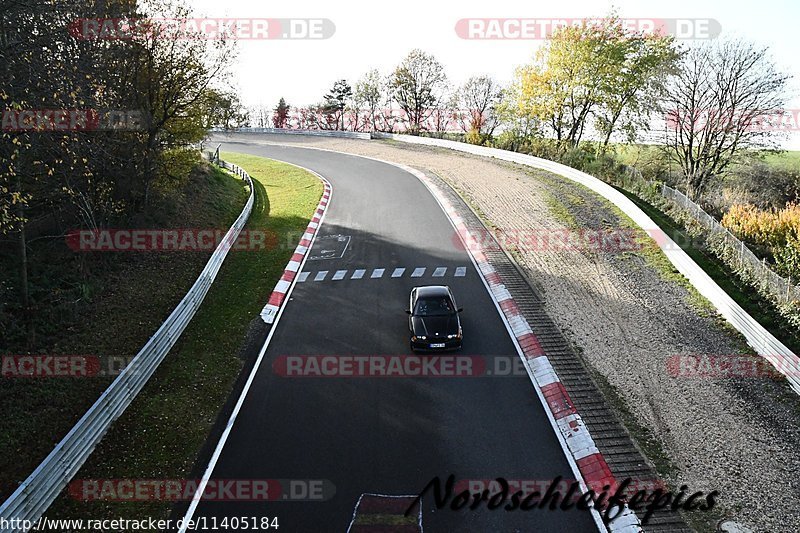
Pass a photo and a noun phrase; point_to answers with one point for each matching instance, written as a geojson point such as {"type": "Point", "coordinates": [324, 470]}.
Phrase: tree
{"type": "Point", "coordinates": [223, 109]}
{"type": "Point", "coordinates": [281, 117]}
{"type": "Point", "coordinates": [417, 85]}
{"type": "Point", "coordinates": [476, 106]}
{"type": "Point", "coordinates": [442, 114]}
{"type": "Point", "coordinates": [520, 124]}
{"type": "Point", "coordinates": [335, 102]}
{"type": "Point", "coordinates": [371, 92]}
{"type": "Point", "coordinates": [52, 182]}
{"type": "Point", "coordinates": [261, 116]}
{"type": "Point", "coordinates": [598, 69]}
{"type": "Point", "coordinates": [635, 84]}
{"type": "Point", "coordinates": [715, 104]}
{"type": "Point", "coordinates": [563, 85]}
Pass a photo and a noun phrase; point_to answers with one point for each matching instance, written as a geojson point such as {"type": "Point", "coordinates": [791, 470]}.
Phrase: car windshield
{"type": "Point", "coordinates": [434, 306]}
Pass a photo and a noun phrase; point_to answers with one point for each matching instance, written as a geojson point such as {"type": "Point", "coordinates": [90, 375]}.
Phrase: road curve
{"type": "Point", "coordinates": [384, 435]}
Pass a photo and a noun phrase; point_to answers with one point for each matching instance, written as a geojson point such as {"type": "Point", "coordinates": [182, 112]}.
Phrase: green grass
{"type": "Point", "coordinates": [630, 154]}
{"type": "Point", "coordinates": [787, 160]}
{"type": "Point", "coordinates": [162, 432]}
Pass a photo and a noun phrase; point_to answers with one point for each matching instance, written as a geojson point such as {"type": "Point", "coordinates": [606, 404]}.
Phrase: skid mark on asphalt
{"type": "Point", "coordinates": [378, 273]}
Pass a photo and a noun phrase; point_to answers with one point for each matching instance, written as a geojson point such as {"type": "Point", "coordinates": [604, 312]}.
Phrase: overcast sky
{"type": "Point", "coordinates": [370, 34]}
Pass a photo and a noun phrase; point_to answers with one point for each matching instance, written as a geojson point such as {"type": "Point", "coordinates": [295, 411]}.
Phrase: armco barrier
{"type": "Point", "coordinates": [284, 131]}
{"type": "Point", "coordinates": [35, 494]}
{"type": "Point", "coordinates": [761, 340]}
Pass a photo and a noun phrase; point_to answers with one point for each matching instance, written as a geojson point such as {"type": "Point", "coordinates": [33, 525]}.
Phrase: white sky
{"type": "Point", "coordinates": [374, 34]}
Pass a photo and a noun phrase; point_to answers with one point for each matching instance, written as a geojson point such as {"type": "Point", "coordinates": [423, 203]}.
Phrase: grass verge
{"type": "Point", "coordinates": [162, 432]}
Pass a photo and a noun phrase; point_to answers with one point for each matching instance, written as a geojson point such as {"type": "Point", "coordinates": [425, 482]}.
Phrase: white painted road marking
{"type": "Point", "coordinates": [378, 273]}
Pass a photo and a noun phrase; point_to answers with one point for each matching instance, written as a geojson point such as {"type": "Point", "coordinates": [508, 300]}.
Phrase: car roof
{"type": "Point", "coordinates": [432, 290]}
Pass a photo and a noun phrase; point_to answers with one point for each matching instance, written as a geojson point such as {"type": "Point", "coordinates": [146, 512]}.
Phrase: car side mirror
{"type": "Point", "coordinates": [460, 309]}
{"type": "Point", "coordinates": [408, 312]}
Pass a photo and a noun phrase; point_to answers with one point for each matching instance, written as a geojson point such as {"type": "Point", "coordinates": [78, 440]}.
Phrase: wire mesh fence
{"type": "Point", "coordinates": [734, 251]}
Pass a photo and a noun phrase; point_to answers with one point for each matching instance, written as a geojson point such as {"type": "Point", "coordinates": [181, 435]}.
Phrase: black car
{"type": "Point", "coordinates": [433, 319]}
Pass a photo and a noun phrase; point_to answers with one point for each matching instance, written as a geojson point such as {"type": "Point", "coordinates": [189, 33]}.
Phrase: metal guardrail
{"type": "Point", "coordinates": [42, 487]}
{"type": "Point", "coordinates": [761, 340]}
{"type": "Point", "coordinates": [286, 131]}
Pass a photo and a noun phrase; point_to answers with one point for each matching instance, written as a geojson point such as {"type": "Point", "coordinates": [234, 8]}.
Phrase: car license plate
{"type": "Point", "coordinates": [437, 345]}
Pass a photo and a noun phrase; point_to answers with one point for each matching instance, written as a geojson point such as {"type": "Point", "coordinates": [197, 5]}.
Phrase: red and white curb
{"type": "Point", "coordinates": [278, 295]}
{"type": "Point", "coordinates": [590, 462]}
{"type": "Point", "coordinates": [284, 289]}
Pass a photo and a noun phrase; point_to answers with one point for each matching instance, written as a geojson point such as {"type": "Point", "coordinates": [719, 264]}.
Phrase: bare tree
{"type": "Point", "coordinates": [442, 114]}
{"type": "Point", "coordinates": [417, 85]}
{"type": "Point", "coordinates": [476, 105]}
{"type": "Point", "coordinates": [261, 115]}
{"type": "Point", "coordinates": [370, 91]}
{"type": "Point", "coordinates": [716, 101]}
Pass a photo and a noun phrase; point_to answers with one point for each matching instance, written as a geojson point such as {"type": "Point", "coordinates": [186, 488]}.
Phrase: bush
{"type": "Point", "coordinates": [777, 229]}
{"type": "Point", "coordinates": [787, 258]}
{"type": "Point", "coordinates": [770, 227]}
{"type": "Point", "coordinates": [766, 186]}
{"type": "Point", "coordinates": [476, 137]}
{"type": "Point", "coordinates": [525, 144]}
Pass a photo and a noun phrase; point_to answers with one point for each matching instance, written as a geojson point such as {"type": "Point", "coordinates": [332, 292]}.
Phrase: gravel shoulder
{"type": "Point", "coordinates": [629, 316]}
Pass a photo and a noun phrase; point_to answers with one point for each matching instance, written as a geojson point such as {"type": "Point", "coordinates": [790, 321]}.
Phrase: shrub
{"type": "Point", "coordinates": [769, 227]}
{"type": "Point", "coordinates": [765, 185]}
{"type": "Point", "coordinates": [787, 258]}
{"type": "Point", "coordinates": [476, 137]}
{"type": "Point", "coordinates": [777, 229]}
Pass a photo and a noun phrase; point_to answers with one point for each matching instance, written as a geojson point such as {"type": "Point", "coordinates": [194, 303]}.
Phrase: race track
{"type": "Point", "coordinates": [384, 435]}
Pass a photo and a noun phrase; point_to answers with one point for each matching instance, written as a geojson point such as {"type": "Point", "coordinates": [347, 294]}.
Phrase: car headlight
{"type": "Point", "coordinates": [454, 336]}
{"type": "Point", "coordinates": [420, 338]}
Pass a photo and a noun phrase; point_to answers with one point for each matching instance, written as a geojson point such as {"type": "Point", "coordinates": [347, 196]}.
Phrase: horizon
{"type": "Point", "coordinates": [343, 55]}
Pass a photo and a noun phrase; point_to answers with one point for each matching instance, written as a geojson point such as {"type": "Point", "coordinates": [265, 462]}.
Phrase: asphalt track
{"type": "Point", "coordinates": [384, 435]}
